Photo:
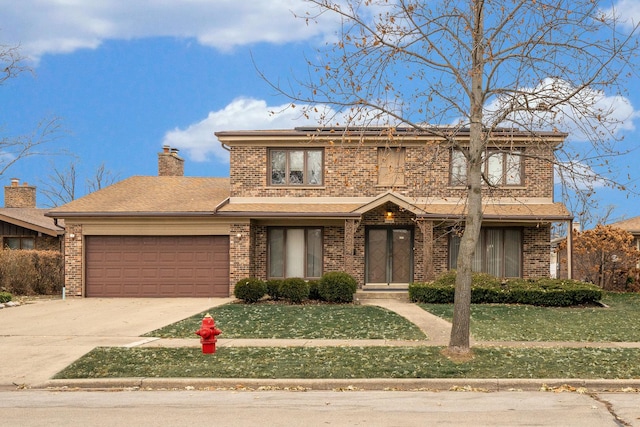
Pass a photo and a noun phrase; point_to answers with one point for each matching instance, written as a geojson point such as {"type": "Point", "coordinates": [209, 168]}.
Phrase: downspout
{"type": "Point", "coordinates": [570, 251]}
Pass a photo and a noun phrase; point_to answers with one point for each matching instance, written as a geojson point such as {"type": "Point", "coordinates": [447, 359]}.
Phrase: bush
{"type": "Point", "coordinates": [29, 272]}
{"type": "Point", "coordinates": [486, 289]}
{"type": "Point", "coordinates": [337, 287]}
{"type": "Point", "coordinates": [273, 289]}
{"type": "Point", "coordinates": [314, 290]}
{"type": "Point", "coordinates": [5, 297]}
{"type": "Point", "coordinates": [250, 290]}
{"type": "Point", "coordinates": [294, 290]}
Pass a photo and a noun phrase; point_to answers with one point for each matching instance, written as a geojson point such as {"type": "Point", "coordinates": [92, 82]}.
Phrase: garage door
{"type": "Point", "coordinates": [157, 266]}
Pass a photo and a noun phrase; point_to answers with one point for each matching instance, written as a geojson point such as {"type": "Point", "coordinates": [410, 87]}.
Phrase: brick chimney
{"type": "Point", "coordinates": [19, 196]}
{"type": "Point", "coordinates": [169, 163]}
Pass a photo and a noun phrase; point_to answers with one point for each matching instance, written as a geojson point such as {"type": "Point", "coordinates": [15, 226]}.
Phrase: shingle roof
{"type": "Point", "coordinates": [632, 225]}
{"type": "Point", "coordinates": [31, 218]}
{"type": "Point", "coordinates": [151, 195]}
{"type": "Point", "coordinates": [494, 211]}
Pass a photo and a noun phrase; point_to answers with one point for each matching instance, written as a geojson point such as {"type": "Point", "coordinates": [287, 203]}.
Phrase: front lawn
{"type": "Point", "coordinates": [317, 321]}
{"type": "Point", "coordinates": [355, 362]}
{"type": "Point", "coordinates": [618, 323]}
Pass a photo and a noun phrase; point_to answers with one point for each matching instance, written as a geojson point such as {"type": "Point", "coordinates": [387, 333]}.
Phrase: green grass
{"type": "Point", "coordinates": [355, 362]}
{"type": "Point", "coordinates": [322, 321]}
{"type": "Point", "coordinates": [618, 323]}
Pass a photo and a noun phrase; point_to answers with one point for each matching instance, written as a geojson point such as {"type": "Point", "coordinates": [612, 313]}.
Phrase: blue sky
{"type": "Point", "coordinates": [127, 77]}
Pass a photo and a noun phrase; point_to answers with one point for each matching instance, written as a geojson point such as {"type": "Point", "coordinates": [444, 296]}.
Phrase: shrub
{"type": "Point", "coordinates": [337, 287]}
{"type": "Point", "coordinates": [273, 289]}
{"type": "Point", "coordinates": [314, 290]}
{"type": "Point", "coordinates": [29, 272]}
{"type": "Point", "coordinates": [486, 289]}
{"type": "Point", "coordinates": [250, 290]}
{"type": "Point", "coordinates": [5, 297]}
{"type": "Point", "coordinates": [294, 290]}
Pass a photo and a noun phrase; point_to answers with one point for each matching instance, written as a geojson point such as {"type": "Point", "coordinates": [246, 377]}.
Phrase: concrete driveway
{"type": "Point", "coordinates": [39, 339]}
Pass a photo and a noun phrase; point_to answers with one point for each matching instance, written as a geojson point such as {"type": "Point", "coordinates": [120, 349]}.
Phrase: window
{"type": "Point", "coordinates": [498, 252]}
{"type": "Point", "coordinates": [500, 168]}
{"type": "Point", "coordinates": [504, 168]}
{"type": "Point", "coordinates": [391, 166]}
{"type": "Point", "coordinates": [296, 167]}
{"type": "Point", "coordinates": [458, 168]}
{"type": "Point", "coordinates": [19, 243]}
{"type": "Point", "coordinates": [295, 252]}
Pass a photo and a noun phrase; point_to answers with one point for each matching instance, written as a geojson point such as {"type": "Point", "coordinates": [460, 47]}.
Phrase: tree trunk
{"type": "Point", "coordinates": [460, 335]}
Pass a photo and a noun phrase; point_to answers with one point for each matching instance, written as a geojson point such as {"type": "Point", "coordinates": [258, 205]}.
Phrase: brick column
{"type": "Point", "coordinates": [426, 227]}
{"type": "Point", "coordinates": [73, 251]}
{"type": "Point", "coordinates": [239, 254]}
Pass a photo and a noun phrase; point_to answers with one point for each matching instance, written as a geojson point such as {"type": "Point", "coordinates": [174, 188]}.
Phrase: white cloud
{"type": "Point", "coordinates": [62, 26]}
{"type": "Point", "coordinates": [589, 115]}
{"type": "Point", "coordinates": [578, 176]}
{"type": "Point", "coordinates": [200, 143]}
{"type": "Point", "coordinates": [628, 11]}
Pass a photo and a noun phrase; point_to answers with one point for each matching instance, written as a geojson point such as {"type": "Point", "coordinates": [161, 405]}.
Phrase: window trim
{"type": "Point", "coordinates": [284, 251]}
{"type": "Point", "coordinates": [287, 151]}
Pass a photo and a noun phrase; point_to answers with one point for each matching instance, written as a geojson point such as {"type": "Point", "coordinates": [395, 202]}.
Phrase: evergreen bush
{"type": "Point", "coordinates": [338, 287]}
{"type": "Point", "coordinates": [250, 290]}
{"type": "Point", "coordinates": [294, 290]}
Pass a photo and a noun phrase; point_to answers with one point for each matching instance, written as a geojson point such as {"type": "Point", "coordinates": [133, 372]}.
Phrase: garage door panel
{"type": "Point", "coordinates": [157, 266]}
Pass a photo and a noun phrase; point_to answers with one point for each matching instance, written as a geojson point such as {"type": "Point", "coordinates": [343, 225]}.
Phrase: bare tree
{"type": "Point", "coordinates": [61, 184]}
{"type": "Point", "coordinates": [477, 65]}
{"type": "Point", "coordinates": [15, 148]}
{"type": "Point", "coordinates": [102, 178]}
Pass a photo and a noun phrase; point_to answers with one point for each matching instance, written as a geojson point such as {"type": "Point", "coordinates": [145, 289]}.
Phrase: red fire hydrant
{"type": "Point", "coordinates": [208, 333]}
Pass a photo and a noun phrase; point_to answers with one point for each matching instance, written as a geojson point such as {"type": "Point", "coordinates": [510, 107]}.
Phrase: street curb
{"type": "Point", "coordinates": [380, 384]}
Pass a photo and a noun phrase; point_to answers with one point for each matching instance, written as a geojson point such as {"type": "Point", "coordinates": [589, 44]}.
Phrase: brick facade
{"type": "Point", "coordinates": [351, 170]}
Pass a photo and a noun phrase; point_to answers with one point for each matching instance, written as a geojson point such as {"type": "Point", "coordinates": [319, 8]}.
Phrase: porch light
{"type": "Point", "coordinates": [388, 216]}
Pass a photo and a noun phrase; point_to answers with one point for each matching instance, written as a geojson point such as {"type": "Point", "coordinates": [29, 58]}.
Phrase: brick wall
{"type": "Point", "coordinates": [351, 171]}
{"type": "Point", "coordinates": [536, 246]}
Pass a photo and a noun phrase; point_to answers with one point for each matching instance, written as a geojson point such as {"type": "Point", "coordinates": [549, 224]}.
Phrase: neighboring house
{"type": "Point", "coordinates": [386, 206]}
{"type": "Point", "coordinates": [632, 225]}
{"type": "Point", "coordinates": [22, 225]}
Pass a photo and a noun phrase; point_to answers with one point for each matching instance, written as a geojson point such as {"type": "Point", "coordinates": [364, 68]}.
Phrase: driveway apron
{"type": "Point", "coordinates": [39, 339]}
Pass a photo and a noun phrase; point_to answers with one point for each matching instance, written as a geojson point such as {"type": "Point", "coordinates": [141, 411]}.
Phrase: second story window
{"type": "Point", "coordinates": [500, 168]}
{"type": "Point", "coordinates": [295, 167]}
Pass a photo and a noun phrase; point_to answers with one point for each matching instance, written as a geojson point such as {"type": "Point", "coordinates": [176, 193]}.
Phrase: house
{"type": "Point", "coordinates": [385, 205]}
{"type": "Point", "coordinates": [632, 225]}
{"type": "Point", "coordinates": [22, 225]}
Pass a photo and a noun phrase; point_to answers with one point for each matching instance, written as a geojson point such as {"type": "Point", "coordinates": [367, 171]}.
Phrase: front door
{"type": "Point", "coordinates": [389, 255]}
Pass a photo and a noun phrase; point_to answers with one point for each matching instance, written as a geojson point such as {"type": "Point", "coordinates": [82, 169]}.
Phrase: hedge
{"type": "Point", "coordinates": [486, 289]}
{"type": "Point", "coordinates": [31, 272]}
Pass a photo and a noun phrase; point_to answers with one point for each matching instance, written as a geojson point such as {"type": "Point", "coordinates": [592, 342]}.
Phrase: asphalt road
{"type": "Point", "coordinates": [30, 408]}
